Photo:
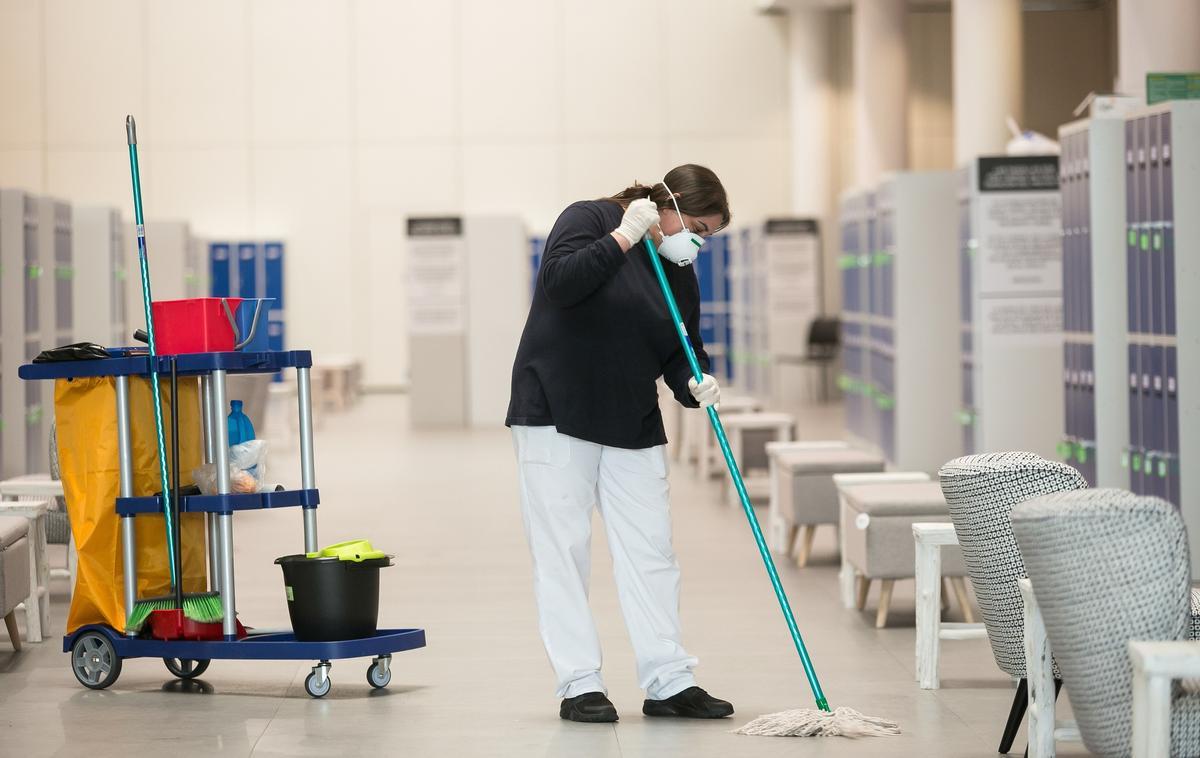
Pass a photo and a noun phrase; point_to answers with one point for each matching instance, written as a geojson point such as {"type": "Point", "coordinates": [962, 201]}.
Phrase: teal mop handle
{"type": "Point", "coordinates": [131, 136]}
{"type": "Point", "coordinates": [738, 483]}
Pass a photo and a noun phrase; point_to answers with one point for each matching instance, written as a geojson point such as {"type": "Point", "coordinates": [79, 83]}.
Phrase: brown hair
{"type": "Point", "coordinates": [700, 193]}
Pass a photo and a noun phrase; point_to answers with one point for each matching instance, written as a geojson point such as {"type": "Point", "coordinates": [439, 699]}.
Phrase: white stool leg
{"type": "Point", "coordinates": [1040, 677]}
{"type": "Point", "coordinates": [929, 604]}
{"type": "Point", "coordinates": [34, 613]}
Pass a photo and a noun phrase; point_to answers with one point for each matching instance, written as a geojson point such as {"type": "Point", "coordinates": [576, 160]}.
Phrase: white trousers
{"type": "Point", "coordinates": [562, 478]}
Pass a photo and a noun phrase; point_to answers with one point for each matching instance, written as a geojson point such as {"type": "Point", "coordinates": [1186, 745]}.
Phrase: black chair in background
{"type": "Point", "coordinates": [824, 341]}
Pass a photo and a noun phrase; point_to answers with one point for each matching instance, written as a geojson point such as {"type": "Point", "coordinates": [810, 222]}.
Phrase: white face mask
{"type": "Point", "coordinates": [683, 247]}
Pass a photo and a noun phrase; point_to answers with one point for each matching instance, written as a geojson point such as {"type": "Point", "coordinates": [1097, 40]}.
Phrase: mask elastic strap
{"type": "Point", "coordinates": [676, 204]}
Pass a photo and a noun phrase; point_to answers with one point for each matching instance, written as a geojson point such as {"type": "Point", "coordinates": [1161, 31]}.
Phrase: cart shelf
{"type": "Point", "coordinates": [135, 506]}
{"type": "Point", "coordinates": [257, 645]}
{"type": "Point", "coordinates": [126, 361]}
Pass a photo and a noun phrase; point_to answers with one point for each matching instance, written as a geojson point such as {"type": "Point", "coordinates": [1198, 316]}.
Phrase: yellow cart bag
{"type": "Point", "coordinates": [86, 413]}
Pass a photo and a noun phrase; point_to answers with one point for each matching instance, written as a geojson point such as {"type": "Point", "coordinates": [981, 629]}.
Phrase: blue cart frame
{"type": "Point", "coordinates": [97, 650]}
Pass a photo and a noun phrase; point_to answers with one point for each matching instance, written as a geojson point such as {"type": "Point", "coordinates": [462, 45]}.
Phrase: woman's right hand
{"type": "Point", "coordinates": [639, 217]}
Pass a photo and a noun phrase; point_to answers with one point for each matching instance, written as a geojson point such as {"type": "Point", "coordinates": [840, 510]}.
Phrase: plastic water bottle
{"type": "Point", "coordinates": [240, 428]}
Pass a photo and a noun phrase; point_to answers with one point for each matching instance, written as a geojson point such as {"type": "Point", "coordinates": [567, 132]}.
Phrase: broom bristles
{"type": "Point", "coordinates": [842, 722]}
{"type": "Point", "coordinates": [203, 608]}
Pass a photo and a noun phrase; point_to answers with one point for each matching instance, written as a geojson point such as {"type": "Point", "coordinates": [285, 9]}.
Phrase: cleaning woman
{"type": "Point", "coordinates": [588, 432]}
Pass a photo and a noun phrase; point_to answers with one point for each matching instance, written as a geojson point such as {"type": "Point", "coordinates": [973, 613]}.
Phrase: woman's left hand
{"type": "Point", "coordinates": [706, 392]}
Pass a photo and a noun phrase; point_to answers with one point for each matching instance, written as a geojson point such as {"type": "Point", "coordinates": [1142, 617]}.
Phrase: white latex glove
{"type": "Point", "coordinates": [706, 391]}
{"type": "Point", "coordinates": [639, 217]}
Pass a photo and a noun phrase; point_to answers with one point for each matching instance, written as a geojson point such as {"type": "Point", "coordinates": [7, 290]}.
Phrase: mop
{"type": "Point", "coordinates": [822, 722]}
{"type": "Point", "coordinates": [204, 607]}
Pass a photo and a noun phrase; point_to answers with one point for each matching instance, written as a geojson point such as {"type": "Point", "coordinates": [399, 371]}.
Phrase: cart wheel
{"type": "Point", "coordinates": [186, 668]}
{"type": "Point", "coordinates": [317, 685]}
{"type": "Point", "coordinates": [378, 675]}
{"type": "Point", "coordinates": [95, 661]}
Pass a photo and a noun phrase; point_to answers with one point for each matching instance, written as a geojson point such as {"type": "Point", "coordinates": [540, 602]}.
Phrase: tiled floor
{"type": "Point", "coordinates": [445, 504]}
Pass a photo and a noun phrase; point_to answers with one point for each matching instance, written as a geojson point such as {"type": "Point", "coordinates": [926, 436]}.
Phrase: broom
{"type": "Point", "coordinates": [201, 607]}
{"type": "Point", "coordinates": [822, 722]}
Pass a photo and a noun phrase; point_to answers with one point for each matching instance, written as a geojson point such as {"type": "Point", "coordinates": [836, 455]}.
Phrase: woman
{"type": "Point", "coordinates": [588, 433]}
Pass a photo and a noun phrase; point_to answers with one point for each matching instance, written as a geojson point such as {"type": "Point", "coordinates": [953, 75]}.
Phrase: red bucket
{"type": "Point", "coordinates": [193, 325]}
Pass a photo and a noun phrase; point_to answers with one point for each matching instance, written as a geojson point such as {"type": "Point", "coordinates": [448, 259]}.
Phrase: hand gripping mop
{"type": "Point", "coordinates": [822, 722]}
{"type": "Point", "coordinates": [206, 607]}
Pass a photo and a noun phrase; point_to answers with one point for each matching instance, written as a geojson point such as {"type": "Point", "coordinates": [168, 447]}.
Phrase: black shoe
{"type": "Point", "coordinates": [590, 708]}
{"type": "Point", "coordinates": [692, 703]}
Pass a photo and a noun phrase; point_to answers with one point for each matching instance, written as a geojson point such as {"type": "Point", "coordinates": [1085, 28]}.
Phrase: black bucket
{"type": "Point", "coordinates": [331, 599]}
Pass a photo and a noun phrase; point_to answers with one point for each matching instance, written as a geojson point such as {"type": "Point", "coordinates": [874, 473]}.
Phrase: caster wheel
{"type": "Point", "coordinates": [186, 668]}
{"type": "Point", "coordinates": [317, 686]}
{"type": "Point", "coordinates": [95, 661]}
{"type": "Point", "coordinates": [378, 676]}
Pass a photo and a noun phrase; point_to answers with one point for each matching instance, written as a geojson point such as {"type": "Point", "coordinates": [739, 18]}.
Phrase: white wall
{"type": "Point", "coordinates": [325, 122]}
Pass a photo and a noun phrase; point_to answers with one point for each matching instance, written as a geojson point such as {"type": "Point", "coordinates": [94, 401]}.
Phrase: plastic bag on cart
{"type": "Point", "coordinates": [247, 470]}
{"type": "Point", "coordinates": [86, 417]}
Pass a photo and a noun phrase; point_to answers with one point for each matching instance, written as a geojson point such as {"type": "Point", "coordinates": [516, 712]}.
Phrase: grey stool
{"type": "Point", "coordinates": [803, 495]}
{"type": "Point", "coordinates": [877, 538]}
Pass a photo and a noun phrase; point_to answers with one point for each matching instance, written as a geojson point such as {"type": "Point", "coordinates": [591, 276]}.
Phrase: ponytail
{"type": "Point", "coordinates": [700, 192]}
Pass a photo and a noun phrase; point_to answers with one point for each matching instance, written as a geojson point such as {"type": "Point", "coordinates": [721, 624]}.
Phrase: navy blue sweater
{"type": "Point", "coordinates": [599, 336]}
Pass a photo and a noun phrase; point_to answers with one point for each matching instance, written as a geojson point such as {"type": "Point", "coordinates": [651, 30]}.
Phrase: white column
{"type": "Point", "coordinates": [880, 88]}
{"type": "Point", "coordinates": [1156, 35]}
{"type": "Point", "coordinates": [809, 32]}
{"type": "Point", "coordinates": [987, 42]}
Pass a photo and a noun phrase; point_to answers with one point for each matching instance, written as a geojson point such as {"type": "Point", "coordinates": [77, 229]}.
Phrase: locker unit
{"type": "Point", "coordinates": [775, 282]}
{"type": "Point", "coordinates": [1011, 280]}
{"type": "Point", "coordinates": [915, 369]}
{"type": "Point", "coordinates": [196, 269]}
{"type": "Point", "coordinates": [1162, 191]}
{"type": "Point", "coordinates": [712, 273]}
{"type": "Point", "coordinates": [746, 351]}
{"type": "Point", "coordinates": [1096, 400]}
{"type": "Point", "coordinates": [856, 219]}
{"type": "Point", "coordinates": [102, 258]}
{"type": "Point", "coordinates": [21, 411]}
{"type": "Point", "coordinates": [248, 269]}
{"type": "Point", "coordinates": [55, 291]}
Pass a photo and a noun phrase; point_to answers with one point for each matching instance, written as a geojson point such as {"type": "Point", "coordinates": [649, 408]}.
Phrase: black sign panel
{"type": "Point", "coordinates": [435, 226]}
{"type": "Point", "coordinates": [791, 226]}
{"type": "Point", "coordinates": [1018, 173]}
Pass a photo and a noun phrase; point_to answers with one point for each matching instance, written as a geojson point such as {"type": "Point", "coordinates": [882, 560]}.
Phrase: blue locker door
{"type": "Point", "coordinates": [1168, 216]}
{"type": "Point", "coordinates": [1171, 415]}
{"type": "Point", "coordinates": [247, 269]}
{"type": "Point", "coordinates": [1145, 273]}
{"type": "Point", "coordinates": [1145, 400]}
{"type": "Point", "coordinates": [1131, 229]}
{"type": "Point", "coordinates": [273, 284]}
{"type": "Point", "coordinates": [1135, 419]}
{"type": "Point", "coordinates": [1157, 408]}
{"type": "Point", "coordinates": [219, 269]}
{"type": "Point", "coordinates": [1154, 192]}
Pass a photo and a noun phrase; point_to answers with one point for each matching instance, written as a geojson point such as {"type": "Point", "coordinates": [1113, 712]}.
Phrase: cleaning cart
{"type": "Point", "coordinates": [97, 650]}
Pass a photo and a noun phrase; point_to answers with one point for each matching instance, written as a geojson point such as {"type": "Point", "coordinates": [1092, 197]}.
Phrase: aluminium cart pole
{"type": "Point", "coordinates": [210, 520]}
{"type": "Point", "coordinates": [220, 436]}
{"type": "Point", "coordinates": [307, 473]}
{"type": "Point", "coordinates": [128, 533]}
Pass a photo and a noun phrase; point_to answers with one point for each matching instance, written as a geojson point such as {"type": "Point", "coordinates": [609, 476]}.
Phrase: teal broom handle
{"type": "Point", "coordinates": [738, 484]}
{"type": "Point", "coordinates": [131, 136]}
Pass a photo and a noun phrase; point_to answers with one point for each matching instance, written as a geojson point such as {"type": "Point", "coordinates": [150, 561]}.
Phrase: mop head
{"type": "Point", "coordinates": [842, 722]}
